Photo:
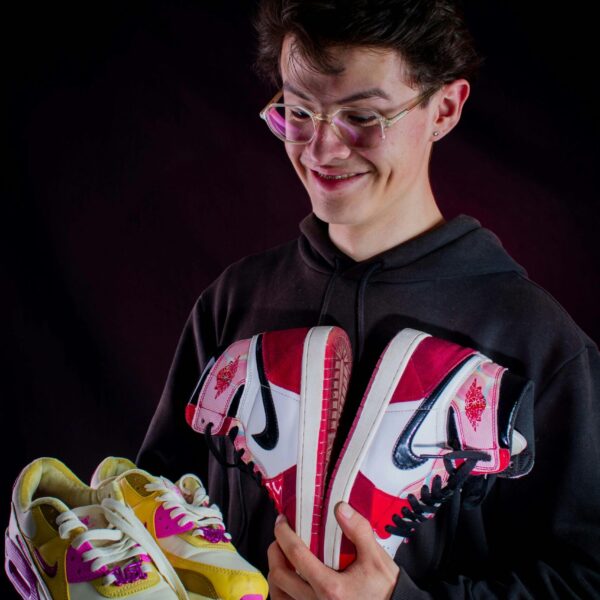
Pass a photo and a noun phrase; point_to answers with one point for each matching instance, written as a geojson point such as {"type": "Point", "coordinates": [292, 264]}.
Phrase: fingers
{"type": "Point", "coordinates": [373, 574]}
{"type": "Point", "coordinates": [370, 556]}
{"type": "Point", "coordinates": [284, 582]}
{"type": "Point", "coordinates": [313, 571]}
{"type": "Point", "coordinates": [356, 528]}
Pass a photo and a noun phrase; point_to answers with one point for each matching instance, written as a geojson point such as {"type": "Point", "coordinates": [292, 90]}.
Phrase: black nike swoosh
{"type": "Point", "coordinates": [268, 438]}
{"type": "Point", "coordinates": [404, 458]}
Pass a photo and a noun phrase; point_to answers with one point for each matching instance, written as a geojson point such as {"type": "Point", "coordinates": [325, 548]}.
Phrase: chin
{"type": "Point", "coordinates": [335, 215]}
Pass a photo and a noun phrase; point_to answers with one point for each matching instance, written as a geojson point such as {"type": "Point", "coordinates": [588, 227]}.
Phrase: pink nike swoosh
{"type": "Point", "coordinates": [49, 570]}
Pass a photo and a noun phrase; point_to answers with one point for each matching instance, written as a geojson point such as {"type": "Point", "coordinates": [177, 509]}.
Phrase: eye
{"type": "Point", "coordinates": [298, 114]}
{"type": "Point", "coordinates": [361, 118]}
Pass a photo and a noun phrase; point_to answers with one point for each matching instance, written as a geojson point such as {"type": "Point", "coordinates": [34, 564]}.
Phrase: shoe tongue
{"type": "Point", "coordinates": [188, 485]}
{"type": "Point", "coordinates": [91, 516]}
{"type": "Point", "coordinates": [173, 487]}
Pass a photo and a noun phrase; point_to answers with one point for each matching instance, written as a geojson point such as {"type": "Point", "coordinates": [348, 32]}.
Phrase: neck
{"type": "Point", "coordinates": [364, 240]}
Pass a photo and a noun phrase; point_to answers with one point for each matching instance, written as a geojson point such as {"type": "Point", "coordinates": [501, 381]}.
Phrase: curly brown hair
{"type": "Point", "coordinates": [430, 35]}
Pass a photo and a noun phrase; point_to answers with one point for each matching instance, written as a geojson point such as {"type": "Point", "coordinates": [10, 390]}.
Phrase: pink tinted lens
{"type": "Point", "coordinates": [291, 125]}
{"type": "Point", "coordinates": [358, 130]}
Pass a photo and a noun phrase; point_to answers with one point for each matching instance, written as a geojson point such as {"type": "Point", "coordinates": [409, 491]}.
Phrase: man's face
{"type": "Point", "coordinates": [388, 178]}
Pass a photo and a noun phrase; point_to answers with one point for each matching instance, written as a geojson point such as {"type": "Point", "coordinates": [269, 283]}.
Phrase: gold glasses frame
{"type": "Point", "coordinates": [384, 121]}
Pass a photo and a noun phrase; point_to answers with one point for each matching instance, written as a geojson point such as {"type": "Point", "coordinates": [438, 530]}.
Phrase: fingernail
{"type": "Point", "coordinates": [280, 519]}
{"type": "Point", "coordinates": [346, 510]}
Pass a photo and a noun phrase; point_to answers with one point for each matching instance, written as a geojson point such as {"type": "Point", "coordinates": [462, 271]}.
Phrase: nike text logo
{"type": "Point", "coordinates": [268, 438]}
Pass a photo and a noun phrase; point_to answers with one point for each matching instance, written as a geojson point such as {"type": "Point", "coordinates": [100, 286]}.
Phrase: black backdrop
{"type": "Point", "coordinates": [138, 169]}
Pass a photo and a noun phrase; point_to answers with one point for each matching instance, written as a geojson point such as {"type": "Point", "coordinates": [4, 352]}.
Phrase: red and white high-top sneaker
{"type": "Point", "coordinates": [279, 395]}
{"type": "Point", "coordinates": [433, 414]}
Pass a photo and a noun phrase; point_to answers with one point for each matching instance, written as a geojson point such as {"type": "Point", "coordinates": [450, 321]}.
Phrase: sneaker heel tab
{"type": "Point", "coordinates": [515, 418]}
{"type": "Point", "coordinates": [44, 477]}
{"type": "Point", "coordinates": [111, 467]}
{"type": "Point", "coordinates": [218, 388]}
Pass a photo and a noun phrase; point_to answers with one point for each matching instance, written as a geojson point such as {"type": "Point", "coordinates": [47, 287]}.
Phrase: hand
{"type": "Point", "coordinates": [372, 575]}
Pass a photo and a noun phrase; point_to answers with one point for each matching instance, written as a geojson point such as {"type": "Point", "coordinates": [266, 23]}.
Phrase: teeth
{"type": "Point", "coordinates": [346, 176]}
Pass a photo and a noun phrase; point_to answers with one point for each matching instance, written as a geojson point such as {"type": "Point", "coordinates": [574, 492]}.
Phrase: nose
{"type": "Point", "coordinates": [326, 146]}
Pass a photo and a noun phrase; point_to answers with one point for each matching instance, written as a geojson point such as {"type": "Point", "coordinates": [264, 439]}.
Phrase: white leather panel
{"type": "Point", "coordinates": [252, 412]}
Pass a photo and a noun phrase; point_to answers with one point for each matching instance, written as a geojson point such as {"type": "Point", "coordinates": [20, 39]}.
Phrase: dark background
{"type": "Point", "coordinates": [138, 169]}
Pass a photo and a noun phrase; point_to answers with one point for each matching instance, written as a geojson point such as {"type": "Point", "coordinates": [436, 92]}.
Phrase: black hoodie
{"type": "Point", "coordinates": [534, 537]}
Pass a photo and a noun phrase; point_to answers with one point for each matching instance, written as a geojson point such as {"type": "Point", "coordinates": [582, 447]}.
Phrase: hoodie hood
{"type": "Point", "coordinates": [458, 248]}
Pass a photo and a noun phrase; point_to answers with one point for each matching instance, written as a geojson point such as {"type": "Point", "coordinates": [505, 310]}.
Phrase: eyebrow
{"type": "Point", "coordinates": [364, 95]}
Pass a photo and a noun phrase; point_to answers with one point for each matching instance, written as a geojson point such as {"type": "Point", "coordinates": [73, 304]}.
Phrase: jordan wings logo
{"type": "Point", "coordinates": [404, 457]}
{"type": "Point", "coordinates": [267, 439]}
{"type": "Point", "coordinates": [475, 404]}
{"type": "Point", "coordinates": [225, 376]}
{"type": "Point", "coordinates": [50, 570]}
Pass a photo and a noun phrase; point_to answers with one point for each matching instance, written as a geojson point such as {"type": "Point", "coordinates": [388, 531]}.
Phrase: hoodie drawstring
{"type": "Point", "coordinates": [360, 306]}
{"type": "Point", "coordinates": [360, 300]}
{"type": "Point", "coordinates": [329, 290]}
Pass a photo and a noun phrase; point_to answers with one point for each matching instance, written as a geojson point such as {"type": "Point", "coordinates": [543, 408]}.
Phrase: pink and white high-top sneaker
{"type": "Point", "coordinates": [279, 395]}
{"type": "Point", "coordinates": [433, 414]}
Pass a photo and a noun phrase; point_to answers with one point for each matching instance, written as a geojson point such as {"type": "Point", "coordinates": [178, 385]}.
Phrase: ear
{"type": "Point", "coordinates": [449, 103]}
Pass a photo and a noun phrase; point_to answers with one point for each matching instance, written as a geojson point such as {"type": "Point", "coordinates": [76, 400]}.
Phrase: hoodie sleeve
{"type": "Point", "coordinates": [171, 447]}
{"type": "Point", "coordinates": [546, 529]}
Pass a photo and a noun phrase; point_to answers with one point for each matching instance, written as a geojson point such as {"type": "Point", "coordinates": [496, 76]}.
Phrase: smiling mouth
{"type": "Point", "coordinates": [331, 182]}
{"type": "Point", "coordinates": [345, 176]}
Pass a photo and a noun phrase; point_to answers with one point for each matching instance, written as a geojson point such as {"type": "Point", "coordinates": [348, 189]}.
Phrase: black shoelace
{"type": "Point", "coordinates": [432, 498]}
{"type": "Point", "coordinates": [238, 462]}
{"type": "Point", "coordinates": [405, 524]}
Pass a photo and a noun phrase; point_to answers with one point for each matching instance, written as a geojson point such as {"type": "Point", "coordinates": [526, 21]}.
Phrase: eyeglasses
{"type": "Point", "coordinates": [356, 127]}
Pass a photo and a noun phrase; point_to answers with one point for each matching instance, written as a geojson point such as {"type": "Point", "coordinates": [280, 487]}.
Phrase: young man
{"type": "Point", "coordinates": [375, 256]}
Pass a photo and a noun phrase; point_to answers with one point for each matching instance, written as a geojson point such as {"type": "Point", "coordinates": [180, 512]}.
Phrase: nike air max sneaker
{"type": "Point", "coordinates": [433, 414]}
{"type": "Point", "coordinates": [279, 395]}
{"type": "Point", "coordinates": [188, 529]}
{"type": "Point", "coordinates": [66, 541]}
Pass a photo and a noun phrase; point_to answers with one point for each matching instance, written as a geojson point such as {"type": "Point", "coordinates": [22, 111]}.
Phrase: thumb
{"type": "Point", "coordinates": [355, 527]}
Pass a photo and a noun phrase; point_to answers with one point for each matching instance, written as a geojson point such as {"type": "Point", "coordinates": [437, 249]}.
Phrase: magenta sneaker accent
{"type": "Point", "coordinates": [50, 570]}
{"type": "Point", "coordinates": [214, 536]}
{"type": "Point", "coordinates": [19, 571]}
{"type": "Point", "coordinates": [79, 570]}
{"type": "Point", "coordinates": [165, 525]}
{"type": "Point", "coordinates": [128, 574]}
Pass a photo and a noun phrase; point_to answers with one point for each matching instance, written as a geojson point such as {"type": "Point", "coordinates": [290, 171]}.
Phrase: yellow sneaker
{"type": "Point", "coordinates": [188, 529]}
{"type": "Point", "coordinates": [67, 541]}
